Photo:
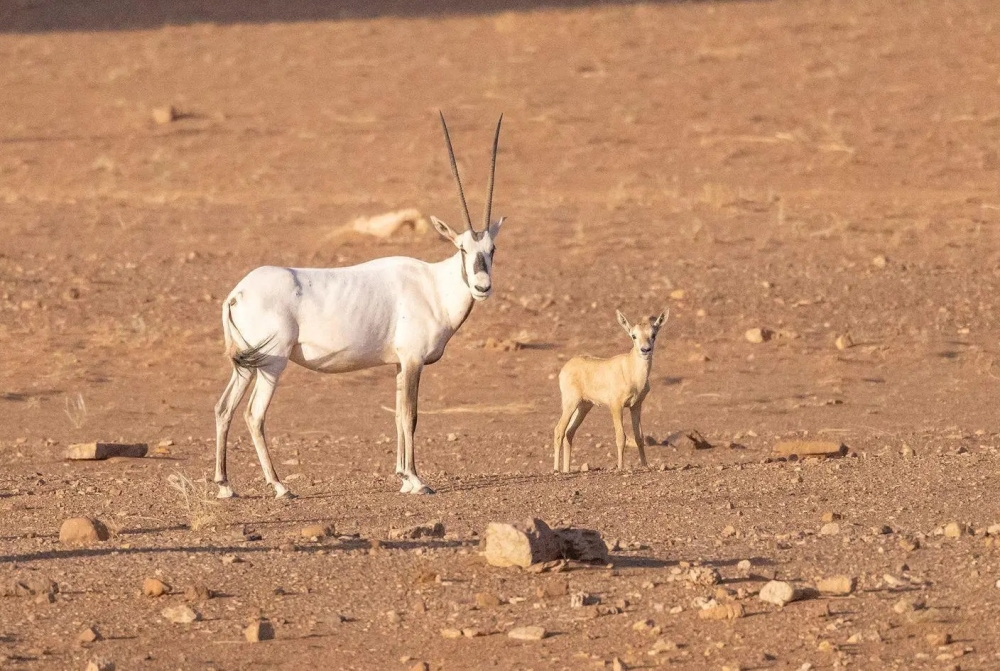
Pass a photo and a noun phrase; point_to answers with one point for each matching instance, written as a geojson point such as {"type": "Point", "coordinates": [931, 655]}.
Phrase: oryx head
{"type": "Point", "coordinates": [477, 247]}
{"type": "Point", "coordinates": [643, 333]}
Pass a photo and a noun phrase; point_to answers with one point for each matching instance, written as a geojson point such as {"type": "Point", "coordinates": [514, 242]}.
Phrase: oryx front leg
{"type": "Point", "coordinates": [224, 409]}
{"type": "Point", "coordinates": [617, 412]}
{"type": "Point", "coordinates": [407, 422]}
{"type": "Point", "coordinates": [640, 440]}
{"type": "Point", "coordinates": [400, 433]}
{"type": "Point", "coordinates": [260, 399]}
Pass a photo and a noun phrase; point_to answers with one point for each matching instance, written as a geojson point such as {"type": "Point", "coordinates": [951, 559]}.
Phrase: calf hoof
{"type": "Point", "coordinates": [225, 492]}
{"type": "Point", "coordinates": [407, 487]}
{"type": "Point", "coordinates": [281, 492]}
{"type": "Point", "coordinates": [424, 489]}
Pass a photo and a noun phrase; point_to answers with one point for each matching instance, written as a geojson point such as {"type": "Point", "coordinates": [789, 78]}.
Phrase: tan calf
{"type": "Point", "coordinates": [618, 383]}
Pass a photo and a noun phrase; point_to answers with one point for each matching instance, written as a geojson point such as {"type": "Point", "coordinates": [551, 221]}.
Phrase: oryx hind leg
{"type": "Point", "coordinates": [260, 398]}
{"type": "Point", "coordinates": [224, 409]}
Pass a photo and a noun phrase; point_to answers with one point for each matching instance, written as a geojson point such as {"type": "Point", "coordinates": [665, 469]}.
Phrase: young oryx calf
{"type": "Point", "coordinates": [396, 310]}
{"type": "Point", "coordinates": [619, 382]}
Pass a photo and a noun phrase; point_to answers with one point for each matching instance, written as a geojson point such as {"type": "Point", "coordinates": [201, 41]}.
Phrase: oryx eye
{"type": "Point", "coordinates": [633, 337]}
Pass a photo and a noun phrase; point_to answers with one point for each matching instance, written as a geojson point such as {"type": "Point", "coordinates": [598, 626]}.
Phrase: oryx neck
{"type": "Point", "coordinates": [456, 299]}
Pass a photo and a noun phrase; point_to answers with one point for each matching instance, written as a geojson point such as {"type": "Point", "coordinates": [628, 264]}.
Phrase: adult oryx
{"type": "Point", "coordinates": [395, 310]}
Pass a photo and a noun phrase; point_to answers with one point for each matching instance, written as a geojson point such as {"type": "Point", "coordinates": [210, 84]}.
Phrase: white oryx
{"type": "Point", "coordinates": [395, 310]}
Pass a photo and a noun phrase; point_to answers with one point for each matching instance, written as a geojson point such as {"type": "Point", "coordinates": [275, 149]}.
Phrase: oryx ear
{"type": "Point", "coordinates": [495, 228]}
{"type": "Point", "coordinates": [658, 322]}
{"type": "Point", "coordinates": [623, 320]}
{"type": "Point", "coordinates": [444, 230]}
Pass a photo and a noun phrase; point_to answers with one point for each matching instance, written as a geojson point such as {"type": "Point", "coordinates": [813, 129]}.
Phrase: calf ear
{"type": "Point", "coordinates": [623, 320]}
{"type": "Point", "coordinates": [658, 322]}
{"type": "Point", "coordinates": [444, 230]}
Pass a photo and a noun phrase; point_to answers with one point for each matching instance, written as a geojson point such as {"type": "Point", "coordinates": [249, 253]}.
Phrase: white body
{"type": "Point", "coordinates": [334, 320]}
{"type": "Point", "coordinates": [395, 310]}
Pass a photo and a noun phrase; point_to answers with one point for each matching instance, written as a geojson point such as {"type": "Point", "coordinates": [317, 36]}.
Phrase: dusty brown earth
{"type": "Point", "coordinates": [812, 168]}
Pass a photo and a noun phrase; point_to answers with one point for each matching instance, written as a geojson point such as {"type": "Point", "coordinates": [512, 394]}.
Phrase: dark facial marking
{"type": "Point", "coordinates": [479, 265]}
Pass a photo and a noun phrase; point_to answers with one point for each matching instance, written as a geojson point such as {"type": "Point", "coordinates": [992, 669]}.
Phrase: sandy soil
{"type": "Point", "coordinates": [816, 169]}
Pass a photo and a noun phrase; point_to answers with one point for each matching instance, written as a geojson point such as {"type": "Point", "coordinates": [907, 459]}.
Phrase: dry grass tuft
{"type": "Point", "coordinates": [197, 500]}
{"type": "Point", "coordinates": [76, 410]}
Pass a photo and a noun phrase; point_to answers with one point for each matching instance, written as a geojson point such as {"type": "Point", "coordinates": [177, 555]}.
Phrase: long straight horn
{"type": "Point", "coordinates": [454, 171]}
{"type": "Point", "coordinates": [493, 169]}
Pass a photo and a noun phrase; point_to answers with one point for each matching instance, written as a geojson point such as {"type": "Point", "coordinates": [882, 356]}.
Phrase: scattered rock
{"type": "Point", "coordinates": [840, 585]}
{"type": "Point", "coordinates": [758, 335]}
{"type": "Point", "coordinates": [503, 345]}
{"type": "Point", "coordinates": [420, 666]}
{"type": "Point", "coordinates": [101, 451]}
{"type": "Point", "coordinates": [939, 638]}
{"type": "Point", "coordinates": [907, 451]}
{"type": "Point", "coordinates": [258, 630]}
{"type": "Point", "coordinates": [703, 575]}
{"type": "Point", "coordinates": [954, 530]}
{"type": "Point", "coordinates": [880, 261]}
{"type": "Point", "coordinates": [552, 590]}
{"type": "Point", "coordinates": [583, 545]}
{"type": "Point", "coordinates": [154, 587]}
{"type": "Point", "coordinates": [180, 614]}
{"type": "Point", "coordinates": [197, 593]}
{"type": "Point", "coordinates": [100, 665]}
{"type": "Point", "coordinates": [451, 633]}
{"type": "Point", "coordinates": [725, 611]}
{"type": "Point", "coordinates": [82, 531]}
{"type": "Point", "coordinates": [809, 448]}
{"type": "Point", "coordinates": [688, 439]}
{"type": "Point", "coordinates": [830, 516]}
{"type": "Point", "coordinates": [32, 585]}
{"type": "Point", "coordinates": [430, 530]}
{"type": "Point", "coordinates": [908, 604]}
{"type": "Point", "coordinates": [645, 626]}
{"type": "Point", "coordinates": [318, 531]}
{"type": "Point", "coordinates": [661, 646]}
{"type": "Point", "coordinates": [534, 542]}
{"type": "Point", "coordinates": [164, 115]}
{"type": "Point", "coordinates": [390, 223]}
{"type": "Point", "coordinates": [88, 636]}
{"type": "Point", "coordinates": [487, 600]}
{"type": "Point", "coordinates": [829, 529]}
{"type": "Point", "coordinates": [581, 599]}
{"type": "Point", "coordinates": [778, 592]}
{"type": "Point", "coordinates": [993, 530]}
{"type": "Point", "coordinates": [521, 544]}
{"type": "Point", "coordinates": [472, 633]}
{"type": "Point", "coordinates": [527, 633]}
{"type": "Point", "coordinates": [618, 665]}
{"type": "Point", "coordinates": [744, 567]}
{"type": "Point", "coordinates": [909, 544]}
{"type": "Point", "coordinates": [729, 531]}
{"type": "Point", "coordinates": [844, 341]}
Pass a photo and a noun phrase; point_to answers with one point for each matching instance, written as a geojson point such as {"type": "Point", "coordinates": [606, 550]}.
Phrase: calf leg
{"type": "Point", "coordinates": [574, 423]}
{"type": "Point", "coordinates": [640, 440]}
{"type": "Point", "coordinates": [617, 412]}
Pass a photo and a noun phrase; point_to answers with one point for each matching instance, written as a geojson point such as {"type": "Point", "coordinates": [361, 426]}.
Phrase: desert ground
{"type": "Point", "coordinates": [814, 169]}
